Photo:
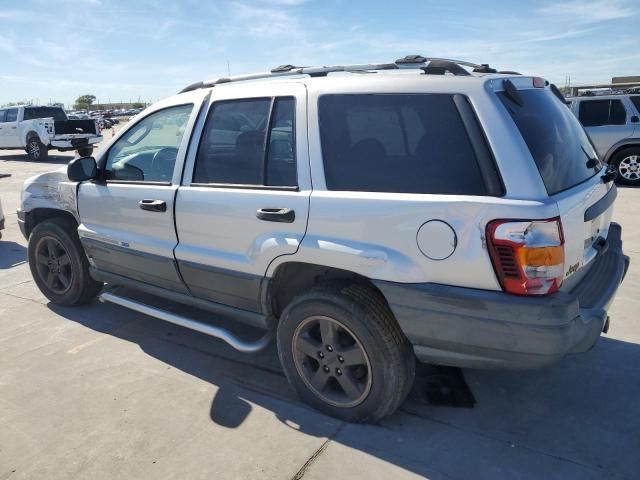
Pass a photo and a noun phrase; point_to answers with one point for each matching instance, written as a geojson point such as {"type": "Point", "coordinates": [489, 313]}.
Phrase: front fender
{"type": "Point", "coordinates": [51, 190]}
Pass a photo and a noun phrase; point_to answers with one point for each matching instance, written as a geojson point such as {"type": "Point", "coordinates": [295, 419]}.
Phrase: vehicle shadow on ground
{"type": "Point", "coordinates": [575, 420]}
{"type": "Point", "coordinates": [52, 158]}
{"type": "Point", "coordinates": [12, 254]}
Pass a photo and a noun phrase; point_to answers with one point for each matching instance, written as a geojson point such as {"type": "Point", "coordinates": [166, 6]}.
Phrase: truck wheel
{"type": "Point", "coordinates": [85, 151]}
{"type": "Point", "coordinates": [344, 353]}
{"type": "Point", "coordinates": [627, 163]}
{"type": "Point", "coordinates": [36, 150]}
{"type": "Point", "coordinates": [58, 263]}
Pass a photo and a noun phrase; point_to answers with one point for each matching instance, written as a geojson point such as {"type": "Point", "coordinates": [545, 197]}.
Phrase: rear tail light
{"type": "Point", "coordinates": [528, 256]}
{"type": "Point", "coordinates": [539, 82]}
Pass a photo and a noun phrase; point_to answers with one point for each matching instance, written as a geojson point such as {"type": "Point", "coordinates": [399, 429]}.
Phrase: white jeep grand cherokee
{"type": "Point", "coordinates": [366, 214]}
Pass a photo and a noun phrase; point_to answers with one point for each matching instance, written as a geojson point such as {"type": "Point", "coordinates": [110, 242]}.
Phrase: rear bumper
{"type": "Point", "coordinates": [487, 329]}
{"type": "Point", "coordinates": [74, 143]}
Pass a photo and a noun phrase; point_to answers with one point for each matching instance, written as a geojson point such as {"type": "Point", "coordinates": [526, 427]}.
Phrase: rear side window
{"type": "Point", "coordinates": [397, 143]}
{"type": "Point", "coordinates": [556, 140]}
{"type": "Point", "coordinates": [595, 113]}
{"type": "Point", "coordinates": [248, 142]}
{"type": "Point", "coordinates": [2, 113]}
{"type": "Point", "coordinates": [636, 102]}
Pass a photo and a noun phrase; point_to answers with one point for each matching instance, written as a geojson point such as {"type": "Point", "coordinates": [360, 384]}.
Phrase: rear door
{"type": "Point", "coordinates": [244, 198]}
{"type": "Point", "coordinates": [10, 133]}
{"type": "Point", "coordinates": [567, 164]}
{"type": "Point", "coordinates": [127, 219]}
{"type": "Point", "coordinates": [607, 122]}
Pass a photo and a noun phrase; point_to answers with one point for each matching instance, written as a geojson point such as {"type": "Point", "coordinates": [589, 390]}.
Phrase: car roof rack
{"type": "Point", "coordinates": [429, 65]}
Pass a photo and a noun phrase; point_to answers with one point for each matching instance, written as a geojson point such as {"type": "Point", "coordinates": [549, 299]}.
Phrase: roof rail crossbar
{"type": "Point", "coordinates": [440, 67]}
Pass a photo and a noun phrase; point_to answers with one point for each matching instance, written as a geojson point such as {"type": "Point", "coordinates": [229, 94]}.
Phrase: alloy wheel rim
{"type": "Point", "coordinates": [331, 361]}
{"type": "Point", "coordinates": [629, 168]}
{"type": "Point", "coordinates": [34, 149]}
{"type": "Point", "coordinates": [53, 265]}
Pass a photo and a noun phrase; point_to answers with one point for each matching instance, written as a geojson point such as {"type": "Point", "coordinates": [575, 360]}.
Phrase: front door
{"type": "Point", "coordinates": [245, 194]}
{"type": "Point", "coordinates": [127, 219]}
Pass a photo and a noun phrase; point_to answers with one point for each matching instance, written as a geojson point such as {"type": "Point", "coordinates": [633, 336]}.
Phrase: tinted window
{"type": "Point", "coordinates": [555, 138]}
{"type": "Point", "coordinates": [57, 114]}
{"type": "Point", "coordinates": [240, 146]}
{"type": "Point", "coordinates": [2, 112]}
{"type": "Point", "coordinates": [636, 102]}
{"type": "Point", "coordinates": [11, 115]}
{"type": "Point", "coordinates": [397, 143]}
{"type": "Point", "coordinates": [595, 113]}
{"type": "Point", "coordinates": [148, 151]}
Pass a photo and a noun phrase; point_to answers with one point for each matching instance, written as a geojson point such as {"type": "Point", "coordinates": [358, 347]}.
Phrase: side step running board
{"type": "Point", "coordinates": [221, 333]}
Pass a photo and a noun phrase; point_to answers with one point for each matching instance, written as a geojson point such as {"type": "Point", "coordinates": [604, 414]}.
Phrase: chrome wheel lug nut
{"type": "Point", "coordinates": [340, 359]}
{"type": "Point", "coordinates": [320, 355]}
{"type": "Point", "coordinates": [338, 371]}
{"type": "Point", "coordinates": [326, 369]}
{"type": "Point", "coordinates": [329, 348]}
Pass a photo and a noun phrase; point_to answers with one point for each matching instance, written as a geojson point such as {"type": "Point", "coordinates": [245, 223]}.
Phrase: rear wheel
{"type": "Point", "coordinates": [344, 353]}
{"type": "Point", "coordinates": [36, 150]}
{"type": "Point", "coordinates": [627, 163]}
{"type": "Point", "coordinates": [58, 263]}
{"type": "Point", "coordinates": [85, 151]}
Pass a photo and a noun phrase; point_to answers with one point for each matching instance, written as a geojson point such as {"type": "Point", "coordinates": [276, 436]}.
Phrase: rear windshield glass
{"type": "Point", "coordinates": [58, 114]}
{"type": "Point", "coordinates": [556, 140]}
{"type": "Point", "coordinates": [397, 143]}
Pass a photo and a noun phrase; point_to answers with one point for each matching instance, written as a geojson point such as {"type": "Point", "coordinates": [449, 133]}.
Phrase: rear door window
{"type": "Point", "coordinates": [397, 143]}
{"type": "Point", "coordinates": [596, 113]}
{"type": "Point", "coordinates": [11, 115]}
{"type": "Point", "coordinates": [248, 142]}
{"type": "Point", "coordinates": [558, 143]}
{"type": "Point", "coordinates": [636, 102]}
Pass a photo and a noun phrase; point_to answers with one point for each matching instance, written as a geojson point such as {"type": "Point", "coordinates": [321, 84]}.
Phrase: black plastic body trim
{"type": "Point", "coordinates": [601, 205]}
{"type": "Point", "coordinates": [250, 318]}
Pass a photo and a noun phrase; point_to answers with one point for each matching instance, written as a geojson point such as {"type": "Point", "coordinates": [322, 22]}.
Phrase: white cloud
{"type": "Point", "coordinates": [590, 11]}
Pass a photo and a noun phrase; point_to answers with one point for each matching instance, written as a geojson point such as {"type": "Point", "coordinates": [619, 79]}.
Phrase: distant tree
{"type": "Point", "coordinates": [84, 102]}
{"type": "Point", "coordinates": [138, 105]}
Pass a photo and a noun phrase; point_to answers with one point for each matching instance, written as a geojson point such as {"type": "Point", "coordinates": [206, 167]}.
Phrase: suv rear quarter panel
{"type": "Point", "coordinates": [375, 234]}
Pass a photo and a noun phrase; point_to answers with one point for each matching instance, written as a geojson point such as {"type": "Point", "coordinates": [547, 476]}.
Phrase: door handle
{"type": "Point", "coordinates": [283, 215]}
{"type": "Point", "coordinates": [153, 205]}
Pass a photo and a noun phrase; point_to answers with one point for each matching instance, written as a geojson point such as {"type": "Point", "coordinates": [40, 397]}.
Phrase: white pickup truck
{"type": "Point", "coordinates": [39, 129]}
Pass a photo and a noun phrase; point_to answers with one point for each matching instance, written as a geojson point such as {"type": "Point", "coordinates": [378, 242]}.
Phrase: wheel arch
{"type": "Point", "coordinates": [39, 215]}
{"type": "Point", "coordinates": [618, 147]}
{"type": "Point", "coordinates": [291, 279]}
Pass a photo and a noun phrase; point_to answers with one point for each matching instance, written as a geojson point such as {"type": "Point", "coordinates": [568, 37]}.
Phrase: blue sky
{"type": "Point", "coordinates": [125, 49]}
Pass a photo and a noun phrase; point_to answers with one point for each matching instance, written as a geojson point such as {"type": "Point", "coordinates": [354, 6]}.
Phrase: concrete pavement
{"type": "Point", "coordinates": [100, 392]}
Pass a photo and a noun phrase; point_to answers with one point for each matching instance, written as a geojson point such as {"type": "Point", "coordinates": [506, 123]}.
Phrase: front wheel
{"type": "Point", "coordinates": [36, 150]}
{"type": "Point", "coordinates": [344, 353]}
{"type": "Point", "coordinates": [58, 263]}
{"type": "Point", "coordinates": [627, 163]}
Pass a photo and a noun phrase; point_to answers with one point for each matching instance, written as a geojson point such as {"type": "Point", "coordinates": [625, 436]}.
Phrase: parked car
{"type": "Point", "coordinates": [38, 129]}
{"type": "Point", "coordinates": [440, 224]}
{"type": "Point", "coordinates": [613, 123]}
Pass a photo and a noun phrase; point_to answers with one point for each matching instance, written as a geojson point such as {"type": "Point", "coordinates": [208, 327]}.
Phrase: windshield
{"type": "Point", "coordinates": [556, 140]}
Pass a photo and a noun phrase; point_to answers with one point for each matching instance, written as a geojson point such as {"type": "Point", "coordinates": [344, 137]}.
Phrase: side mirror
{"type": "Point", "coordinates": [635, 119]}
{"type": "Point", "coordinates": [81, 169]}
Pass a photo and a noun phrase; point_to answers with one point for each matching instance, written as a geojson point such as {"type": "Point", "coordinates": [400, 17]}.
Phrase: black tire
{"type": "Point", "coordinates": [627, 164]}
{"type": "Point", "coordinates": [85, 151]}
{"type": "Point", "coordinates": [55, 253]}
{"type": "Point", "coordinates": [360, 313]}
{"type": "Point", "coordinates": [36, 150]}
